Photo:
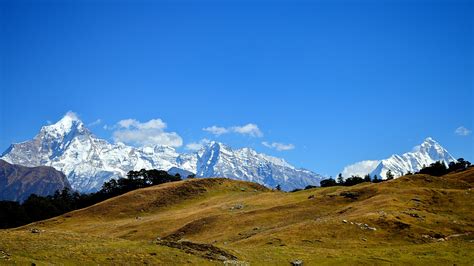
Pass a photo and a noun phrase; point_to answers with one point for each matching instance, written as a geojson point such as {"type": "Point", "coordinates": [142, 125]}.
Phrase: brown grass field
{"type": "Point", "coordinates": [412, 220]}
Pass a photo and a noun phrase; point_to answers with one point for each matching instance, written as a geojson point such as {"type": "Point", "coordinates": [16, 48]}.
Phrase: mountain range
{"type": "Point", "coordinates": [88, 161]}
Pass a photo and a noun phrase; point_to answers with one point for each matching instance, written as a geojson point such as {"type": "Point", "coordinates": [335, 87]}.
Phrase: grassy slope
{"type": "Point", "coordinates": [410, 214]}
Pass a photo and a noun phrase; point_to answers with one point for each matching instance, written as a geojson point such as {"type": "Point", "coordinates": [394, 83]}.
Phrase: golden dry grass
{"type": "Point", "coordinates": [418, 219]}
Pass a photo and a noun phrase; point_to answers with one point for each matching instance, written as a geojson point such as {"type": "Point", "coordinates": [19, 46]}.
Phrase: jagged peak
{"type": "Point", "coordinates": [68, 123]}
{"type": "Point", "coordinates": [247, 150]}
{"type": "Point", "coordinates": [427, 152]}
{"type": "Point", "coordinates": [157, 149]}
{"type": "Point", "coordinates": [71, 115]}
{"type": "Point", "coordinates": [215, 145]}
{"type": "Point", "coordinates": [430, 141]}
{"type": "Point", "coordinates": [429, 144]}
{"type": "Point", "coordinates": [69, 118]}
{"type": "Point", "coordinates": [277, 160]}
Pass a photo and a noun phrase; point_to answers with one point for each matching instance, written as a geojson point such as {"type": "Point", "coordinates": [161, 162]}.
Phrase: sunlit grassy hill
{"type": "Point", "coordinates": [415, 219]}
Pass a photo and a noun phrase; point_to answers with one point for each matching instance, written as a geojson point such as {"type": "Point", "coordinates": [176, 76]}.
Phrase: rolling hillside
{"type": "Point", "coordinates": [416, 219]}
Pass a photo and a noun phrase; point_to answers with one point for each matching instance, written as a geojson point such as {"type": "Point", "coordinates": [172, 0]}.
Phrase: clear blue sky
{"type": "Point", "coordinates": [341, 81]}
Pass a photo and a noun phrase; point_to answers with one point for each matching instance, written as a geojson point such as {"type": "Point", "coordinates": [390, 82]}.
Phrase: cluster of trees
{"type": "Point", "coordinates": [137, 179]}
{"type": "Point", "coordinates": [36, 208]}
{"type": "Point", "coordinates": [440, 169]}
{"type": "Point", "coordinates": [350, 181]}
{"type": "Point", "coordinates": [354, 180]}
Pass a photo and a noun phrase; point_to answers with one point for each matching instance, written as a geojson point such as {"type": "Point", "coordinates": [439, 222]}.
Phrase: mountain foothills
{"type": "Point", "coordinates": [18, 182]}
{"type": "Point", "coordinates": [423, 155]}
{"type": "Point", "coordinates": [412, 220]}
{"type": "Point", "coordinates": [88, 161]}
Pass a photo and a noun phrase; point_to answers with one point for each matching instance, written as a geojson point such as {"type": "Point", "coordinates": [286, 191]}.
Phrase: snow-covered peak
{"type": "Point", "coordinates": [214, 146]}
{"type": "Point", "coordinates": [219, 160]}
{"type": "Point", "coordinates": [421, 155]}
{"type": "Point", "coordinates": [247, 152]}
{"type": "Point", "coordinates": [69, 123]}
{"type": "Point", "coordinates": [427, 143]}
{"type": "Point", "coordinates": [430, 140]}
{"type": "Point", "coordinates": [158, 149]}
{"type": "Point", "coordinates": [277, 161]}
{"type": "Point", "coordinates": [430, 145]}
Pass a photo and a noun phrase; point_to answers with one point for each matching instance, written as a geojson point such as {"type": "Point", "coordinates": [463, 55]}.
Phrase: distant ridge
{"type": "Point", "coordinates": [18, 182]}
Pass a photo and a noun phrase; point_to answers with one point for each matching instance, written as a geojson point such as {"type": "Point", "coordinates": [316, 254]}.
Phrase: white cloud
{"type": "Point", "coordinates": [278, 146]}
{"type": "Point", "coordinates": [195, 146]}
{"type": "Point", "coordinates": [133, 123]}
{"type": "Point", "coordinates": [149, 133]}
{"type": "Point", "coordinates": [250, 129]}
{"type": "Point", "coordinates": [215, 130]}
{"type": "Point", "coordinates": [360, 168]}
{"type": "Point", "coordinates": [462, 131]}
{"type": "Point", "coordinates": [96, 122]}
{"type": "Point", "coordinates": [127, 123]}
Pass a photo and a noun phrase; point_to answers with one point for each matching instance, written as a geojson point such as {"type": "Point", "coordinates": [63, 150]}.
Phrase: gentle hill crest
{"type": "Point", "coordinates": [154, 198]}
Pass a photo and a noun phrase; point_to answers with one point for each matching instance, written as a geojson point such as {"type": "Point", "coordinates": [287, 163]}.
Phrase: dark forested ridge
{"type": "Point", "coordinates": [18, 182]}
{"type": "Point", "coordinates": [36, 208]}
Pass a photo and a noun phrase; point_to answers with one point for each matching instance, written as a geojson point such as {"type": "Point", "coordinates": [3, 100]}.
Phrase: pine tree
{"type": "Point", "coordinates": [325, 183]}
{"type": "Point", "coordinates": [340, 179]}
{"type": "Point", "coordinates": [376, 179]}
{"type": "Point", "coordinates": [389, 175]}
{"type": "Point", "coordinates": [367, 178]}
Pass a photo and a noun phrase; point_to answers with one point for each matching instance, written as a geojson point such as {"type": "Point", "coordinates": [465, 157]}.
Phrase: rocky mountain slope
{"type": "Point", "coordinates": [425, 154]}
{"type": "Point", "coordinates": [89, 161]}
{"type": "Point", "coordinates": [18, 182]}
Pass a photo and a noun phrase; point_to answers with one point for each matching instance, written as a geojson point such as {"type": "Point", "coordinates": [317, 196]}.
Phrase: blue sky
{"type": "Point", "coordinates": [335, 81]}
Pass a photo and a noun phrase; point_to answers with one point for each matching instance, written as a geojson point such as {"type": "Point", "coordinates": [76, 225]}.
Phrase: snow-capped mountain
{"type": "Point", "coordinates": [425, 154]}
{"type": "Point", "coordinates": [217, 159]}
{"type": "Point", "coordinates": [89, 161]}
